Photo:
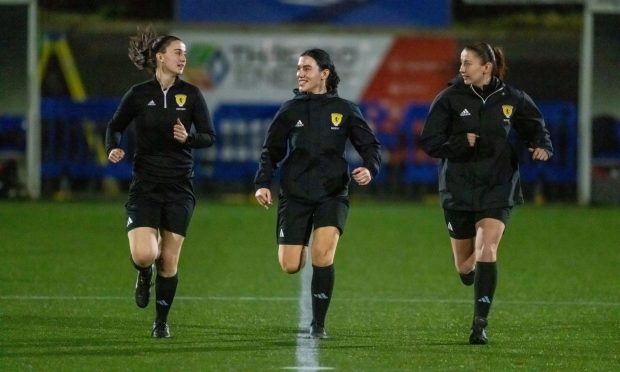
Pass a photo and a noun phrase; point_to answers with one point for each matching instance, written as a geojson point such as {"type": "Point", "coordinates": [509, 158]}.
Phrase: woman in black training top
{"type": "Point", "coordinates": [308, 135]}
{"type": "Point", "coordinates": [161, 196]}
{"type": "Point", "coordinates": [468, 128]}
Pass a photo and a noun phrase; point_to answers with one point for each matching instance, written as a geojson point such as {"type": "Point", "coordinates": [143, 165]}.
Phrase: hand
{"type": "Point", "coordinates": [539, 154]}
{"type": "Point", "coordinates": [263, 196]}
{"type": "Point", "coordinates": [471, 138]}
{"type": "Point", "coordinates": [179, 132]}
{"type": "Point", "coordinates": [362, 176]}
{"type": "Point", "coordinates": [116, 155]}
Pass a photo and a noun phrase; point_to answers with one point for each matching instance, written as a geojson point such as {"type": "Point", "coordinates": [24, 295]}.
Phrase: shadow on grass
{"type": "Point", "coordinates": [30, 335]}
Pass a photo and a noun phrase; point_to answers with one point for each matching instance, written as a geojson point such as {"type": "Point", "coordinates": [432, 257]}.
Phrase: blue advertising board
{"type": "Point", "coordinates": [241, 129]}
{"type": "Point", "coordinates": [413, 13]}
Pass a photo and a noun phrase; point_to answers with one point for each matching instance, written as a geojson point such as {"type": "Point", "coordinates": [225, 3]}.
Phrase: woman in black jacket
{"type": "Point", "coordinates": [468, 128]}
{"type": "Point", "coordinates": [161, 196]}
{"type": "Point", "coordinates": [308, 135]}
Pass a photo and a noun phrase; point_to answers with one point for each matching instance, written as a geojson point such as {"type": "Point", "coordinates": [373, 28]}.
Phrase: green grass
{"type": "Point", "coordinates": [66, 300]}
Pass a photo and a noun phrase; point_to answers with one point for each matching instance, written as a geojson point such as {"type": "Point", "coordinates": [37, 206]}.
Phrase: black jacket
{"type": "Point", "coordinates": [486, 175]}
{"type": "Point", "coordinates": [159, 157]}
{"type": "Point", "coordinates": [311, 131]}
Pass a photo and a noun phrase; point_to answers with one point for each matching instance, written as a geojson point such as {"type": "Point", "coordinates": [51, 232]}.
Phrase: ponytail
{"type": "Point", "coordinates": [144, 46]}
{"type": "Point", "coordinates": [493, 55]}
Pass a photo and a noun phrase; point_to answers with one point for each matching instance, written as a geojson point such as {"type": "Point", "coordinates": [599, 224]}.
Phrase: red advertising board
{"type": "Point", "coordinates": [414, 70]}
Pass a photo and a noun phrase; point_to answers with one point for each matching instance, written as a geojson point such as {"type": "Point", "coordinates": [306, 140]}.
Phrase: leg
{"type": "Point", "coordinates": [294, 226]}
{"type": "Point", "coordinates": [489, 232]}
{"type": "Point", "coordinates": [143, 245]}
{"type": "Point", "coordinates": [292, 257]}
{"type": "Point", "coordinates": [324, 246]}
{"type": "Point", "coordinates": [144, 248]}
{"type": "Point", "coordinates": [464, 259]}
{"type": "Point", "coordinates": [168, 260]}
{"type": "Point", "coordinates": [462, 231]}
{"type": "Point", "coordinates": [166, 280]}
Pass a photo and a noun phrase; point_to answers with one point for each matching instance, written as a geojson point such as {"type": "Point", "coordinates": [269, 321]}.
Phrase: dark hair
{"type": "Point", "coordinates": [324, 61]}
{"type": "Point", "coordinates": [144, 46]}
{"type": "Point", "coordinates": [491, 54]}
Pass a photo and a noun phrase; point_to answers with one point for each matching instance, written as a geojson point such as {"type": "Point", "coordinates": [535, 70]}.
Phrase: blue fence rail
{"type": "Point", "coordinates": [73, 142]}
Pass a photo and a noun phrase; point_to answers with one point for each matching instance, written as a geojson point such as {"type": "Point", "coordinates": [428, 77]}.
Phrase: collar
{"type": "Point", "coordinates": [156, 82]}
{"type": "Point", "coordinates": [312, 96]}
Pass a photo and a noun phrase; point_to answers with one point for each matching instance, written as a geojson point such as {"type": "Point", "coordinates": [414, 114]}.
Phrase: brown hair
{"type": "Point", "coordinates": [324, 61]}
{"type": "Point", "coordinates": [144, 46]}
{"type": "Point", "coordinates": [490, 54]}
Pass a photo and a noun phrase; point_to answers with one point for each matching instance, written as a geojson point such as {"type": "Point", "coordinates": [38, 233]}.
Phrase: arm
{"type": "Point", "coordinates": [204, 136]}
{"type": "Point", "coordinates": [273, 151]}
{"type": "Point", "coordinates": [437, 139]}
{"type": "Point", "coordinates": [366, 145]}
{"type": "Point", "coordinates": [530, 126]}
{"type": "Point", "coordinates": [116, 126]}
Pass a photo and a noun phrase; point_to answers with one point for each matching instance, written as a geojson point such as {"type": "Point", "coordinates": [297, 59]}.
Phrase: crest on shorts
{"type": "Point", "coordinates": [336, 118]}
{"type": "Point", "coordinates": [507, 110]}
{"type": "Point", "coordinates": [180, 98]}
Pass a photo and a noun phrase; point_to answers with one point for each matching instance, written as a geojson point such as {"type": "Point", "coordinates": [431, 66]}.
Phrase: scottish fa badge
{"type": "Point", "coordinates": [180, 98]}
{"type": "Point", "coordinates": [336, 118]}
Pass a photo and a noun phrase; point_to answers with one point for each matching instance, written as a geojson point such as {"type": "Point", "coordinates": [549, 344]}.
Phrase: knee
{"type": "Point", "coordinates": [291, 270]}
{"type": "Point", "coordinates": [166, 267]}
{"type": "Point", "coordinates": [143, 260]}
{"type": "Point", "coordinates": [488, 253]}
{"type": "Point", "coordinates": [166, 272]}
{"type": "Point", "coordinates": [323, 256]}
{"type": "Point", "coordinates": [290, 267]}
{"type": "Point", "coordinates": [323, 260]}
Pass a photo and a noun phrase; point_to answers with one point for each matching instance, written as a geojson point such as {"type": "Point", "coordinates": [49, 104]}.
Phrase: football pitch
{"type": "Point", "coordinates": [66, 294]}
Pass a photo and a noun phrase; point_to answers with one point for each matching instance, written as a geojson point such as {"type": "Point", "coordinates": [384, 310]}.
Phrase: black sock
{"type": "Point", "coordinates": [322, 286]}
{"type": "Point", "coordinates": [484, 287]}
{"type": "Point", "coordinates": [165, 289]}
{"type": "Point", "coordinates": [468, 279]}
{"type": "Point", "coordinates": [145, 272]}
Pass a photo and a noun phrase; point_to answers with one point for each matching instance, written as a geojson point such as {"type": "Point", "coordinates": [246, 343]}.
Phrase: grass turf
{"type": "Point", "coordinates": [66, 300]}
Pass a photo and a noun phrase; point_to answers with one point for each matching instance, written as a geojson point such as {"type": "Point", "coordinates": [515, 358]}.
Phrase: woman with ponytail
{"type": "Point", "coordinates": [468, 128]}
{"type": "Point", "coordinates": [171, 119]}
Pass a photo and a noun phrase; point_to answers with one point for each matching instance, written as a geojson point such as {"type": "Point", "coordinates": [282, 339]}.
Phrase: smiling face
{"type": "Point", "coordinates": [310, 78]}
{"type": "Point", "coordinates": [173, 59]}
{"type": "Point", "coordinates": [473, 70]}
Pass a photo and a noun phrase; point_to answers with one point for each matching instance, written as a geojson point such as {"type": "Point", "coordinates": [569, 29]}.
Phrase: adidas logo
{"type": "Point", "coordinates": [485, 300]}
{"type": "Point", "coordinates": [450, 227]}
{"type": "Point", "coordinates": [281, 233]}
{"type": "Point", "coordinates": [320, 296]}
{"type": "Point", "coordinates": [152, 103]}
{"type": "Point", "coordinates": [299, 124]}
{"type": "Point", "coordinates": [465, 113]}
{"type": "Point", "coordinates": [129, 221]}
{"type": "Point", "coordinates": [162, 303]}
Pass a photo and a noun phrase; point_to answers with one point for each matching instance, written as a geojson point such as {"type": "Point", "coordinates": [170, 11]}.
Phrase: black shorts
{"type": "Point", "coordinates": [296, 218]}
{"type": "Point", "coordinates": [167, 206]}
{"type": "Point", "coordinates": [462, 224]}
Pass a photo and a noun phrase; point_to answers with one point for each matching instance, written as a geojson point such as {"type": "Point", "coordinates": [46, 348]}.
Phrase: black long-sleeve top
{"type": "Point", "coordinates": [487, 175]}
{"type": "Point", "coordinates": [158, 156]}
{"type": "Point", "coordinates": [308, 135]}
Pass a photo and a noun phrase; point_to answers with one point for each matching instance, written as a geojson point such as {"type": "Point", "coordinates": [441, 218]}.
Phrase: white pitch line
{"type": "Point", "coordinates": [306, 353]}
